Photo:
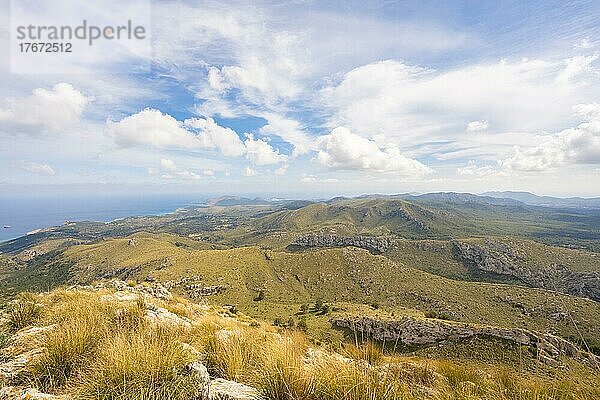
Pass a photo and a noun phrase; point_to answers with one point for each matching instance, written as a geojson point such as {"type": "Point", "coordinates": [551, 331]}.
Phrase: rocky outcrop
{"type": "Point", "coordinates": [17, 365]}
{"type": "Point", "coordinates": [16, 393]}
{"type": "Point", "coordinates": [151, 289]}
{"type": "Point", "coordinates": [423, 332]}
{"type": "Point", "coordinates": [375, 244]}
{"type": "Point", "coordinates": [198, 290]}
{"type": "Point", "coordinates": [162, 317]}
{"type": "Point", "coordinates": [501, 259]}
{"type": "Point", "coordinates": [222, 389]}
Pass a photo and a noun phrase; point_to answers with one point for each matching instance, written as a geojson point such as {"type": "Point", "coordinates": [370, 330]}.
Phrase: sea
{"type": "Point", "coordinates": [20, 215]}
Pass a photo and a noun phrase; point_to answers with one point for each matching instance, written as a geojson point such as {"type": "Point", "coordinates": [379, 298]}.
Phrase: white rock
{"type": "Point", "coordinates": [162, 316]}
{"type": "Point", "coordinates": [34, 394]}
{"type": "Point", "coordinates": [222, 389]}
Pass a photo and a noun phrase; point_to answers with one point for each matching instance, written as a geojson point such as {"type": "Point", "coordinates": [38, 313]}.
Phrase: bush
{"type": "Point", "coordinates": [260, 296]}
{"type": "Point", "coordinates": [24, 311]}
{"type": "Point", "coordinates": [303, 308]}
{"type": "Point", "coordinates": [302, 325]}
{"type": "Point", "coordinates": [318, 304]}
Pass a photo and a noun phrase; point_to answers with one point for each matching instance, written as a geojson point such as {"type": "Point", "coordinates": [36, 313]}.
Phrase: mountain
{"type": "Point", "coordinates": [548, 201]}
{"type": "Point", "coordinates": [227, 201]}
{"type": "Point", "coordinates": [492, 285]}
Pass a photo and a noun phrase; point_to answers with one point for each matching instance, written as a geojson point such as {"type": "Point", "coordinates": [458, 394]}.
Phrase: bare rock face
{"type": "Point", "coordinates": [502, 260]}
{"type": "Point", "coordinates": [376, 244]}
{"type": "Point", "coordinates": [412, 331]}
{"type": "Point", "coordinates": [16, 393]}
{"type": "Point", "coordinates": [17, 365]}
{"type": "Point", "coordinates": [222, 389]}
{"type": "Point", "coordinates": [162, 317]}
{"type": "Point", "coordinates": [197, 290]}
{"type": "Point", "coordinates": [34, 394]}
{"type": "Point", "coordinates": [152, 289]}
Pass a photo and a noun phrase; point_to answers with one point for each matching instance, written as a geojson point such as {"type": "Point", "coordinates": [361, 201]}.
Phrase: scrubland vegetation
{"type": "Point", "coordinates": [98, 345]}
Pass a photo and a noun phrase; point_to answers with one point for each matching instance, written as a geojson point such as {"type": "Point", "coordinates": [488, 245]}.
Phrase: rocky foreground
{"type": "Point", "coordinates": [116, 340]}
{"type": "Point", "coordinates": [18, 362]}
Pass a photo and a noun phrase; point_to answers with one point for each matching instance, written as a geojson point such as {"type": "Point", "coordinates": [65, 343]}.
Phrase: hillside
{"type": "Point", "coordinates": [288, 280]}
{"type": "Point", "coordinates": [278, 224]}
{"type": "Point", "coordinates": [116, 340]}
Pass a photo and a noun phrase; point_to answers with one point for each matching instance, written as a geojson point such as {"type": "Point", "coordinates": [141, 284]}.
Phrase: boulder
{"type": "Point", "coordinates": [11, 369]}
{"type": "Point", "coordinates": [222, 389]}
{"type": "Point", "coordinates": [162, 316]}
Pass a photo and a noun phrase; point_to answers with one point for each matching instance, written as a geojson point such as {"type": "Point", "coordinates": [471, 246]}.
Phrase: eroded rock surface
{"type": "Point", "coordinates": [501, 259]}
{"type": "Point", "coordinates": [420, 332]}
{"type": "Point", "coordinates": [222, 389]}
{"type": "Point", "coordinates": [377, 244]}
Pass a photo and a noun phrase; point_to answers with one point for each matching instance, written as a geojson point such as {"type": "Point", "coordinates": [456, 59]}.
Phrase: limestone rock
{"type": "Point", "coordinates": [499, 258]}
{"type": "Point", "coordinates": [222, 389]}
{"type": "Point", "coordinates": [9, 392]}
{"type": "Point", "coordinates": [34, 394]}
{"type": "Point", "coordinates": [150, 289]}
{"type": "Point", "coordinates": [376, 244]}
{"type": "Point", "coordinates": [413, 331]}
{"type": "Point", "coordinates": [162, 316]}
{"type": "Point", "coordinates": [14, 367]}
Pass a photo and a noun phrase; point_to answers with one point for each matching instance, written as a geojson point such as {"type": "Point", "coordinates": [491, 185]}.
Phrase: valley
{"type": "Point", "coordinates": [418, 278]}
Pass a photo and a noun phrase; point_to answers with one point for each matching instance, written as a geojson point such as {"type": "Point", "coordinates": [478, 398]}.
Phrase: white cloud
{"type": "Point", "coordinates": [151, 127]}
{"type": "Point", "coordinates": [175, 171]}
{"type": "Point", "coordinates": [281, 170]}
{"type": "Point", "coordinates": [579, 145]}
{"type": "Point", "coordinates": [289, 130]}
{"type": "Point", "coordinates": [484, 171]}
{"type": "Point", "coordinates": [261, 153]}
{"type": "Point", "coordinates": [575, 67]}
{"type": "Point", "coordinates": [208, 172]}
{"type": "Point", "coordinates": [344, 150]}
{"type": "Point", "coordinates": [411, 104]}
{"type": "Point", "coordinates": [54, 110]}
{"type": "Point", "coordinates": [37, 168]}
{"type": "Point", "coordinates": [309, 178]}
{"type": "Point", "coordinates": [584, 44]}
{"type": "Point", "coordinates": [249, 171]}
{"type": "Point", "coordinates": [212, 135]}
{"type": "Point", "coordinates": [168, 164]}
{"type": "Point", "coordinates": [477, 126]}
{"type": "Point", "coordinates": [188, 175]}
{"type": "Point", "coordinates": [306, 178]}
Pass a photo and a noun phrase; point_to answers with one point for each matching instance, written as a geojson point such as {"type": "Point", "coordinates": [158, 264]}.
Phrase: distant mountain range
{"type": "Point", "coordinates": [508, 198]}
{"type": "Point", "coordinates": [225, 201]}
{"type": "Point", "coordinates": [547, 201]}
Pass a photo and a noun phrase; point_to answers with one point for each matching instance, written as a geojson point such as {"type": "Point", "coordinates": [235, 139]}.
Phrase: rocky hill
{"type": "Point", "coordinates": [119, 340]}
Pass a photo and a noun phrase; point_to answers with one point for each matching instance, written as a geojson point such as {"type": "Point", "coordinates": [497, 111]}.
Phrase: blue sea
{"type": "Point", "coordinates": [25, 214]}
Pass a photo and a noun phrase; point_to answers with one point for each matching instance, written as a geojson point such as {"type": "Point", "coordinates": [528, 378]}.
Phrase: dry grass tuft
{"type": "Point", "coordinates": [148, 364]}
{"type": "Point", "coordinates": [23, 311]}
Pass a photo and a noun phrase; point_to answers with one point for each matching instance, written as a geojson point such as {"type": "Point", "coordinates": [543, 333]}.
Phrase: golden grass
{"type": "Point", "coordinates": [149, 364]}
{"type": "Point", "coordinates": [105, 349]}
{"type": "Point", "coordinates": [23, 311]}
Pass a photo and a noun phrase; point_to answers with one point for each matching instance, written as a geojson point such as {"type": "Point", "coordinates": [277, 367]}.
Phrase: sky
{"type": "Point", "coordinates": [306, 98]}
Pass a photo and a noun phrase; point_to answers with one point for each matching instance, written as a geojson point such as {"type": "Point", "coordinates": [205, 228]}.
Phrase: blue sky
{"type": "Point", "coordinates": [309, 98]}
